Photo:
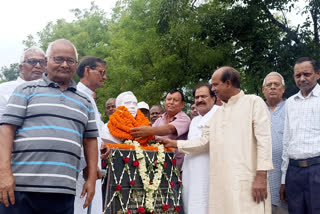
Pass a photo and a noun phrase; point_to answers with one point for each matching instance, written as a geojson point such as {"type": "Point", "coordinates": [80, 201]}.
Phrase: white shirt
{"type": "Point", "coordinates": [195, 176]}
{"type": "Point", "coordinates": [301, 137]}
{"type": "Point", "coordinates": [6, 89]}
{"type": "Point", "coordinates": [96, 204]}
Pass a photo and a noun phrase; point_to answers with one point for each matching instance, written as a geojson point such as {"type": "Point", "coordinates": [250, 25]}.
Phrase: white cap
{"type": "Point", "coordinates": [143, 105]}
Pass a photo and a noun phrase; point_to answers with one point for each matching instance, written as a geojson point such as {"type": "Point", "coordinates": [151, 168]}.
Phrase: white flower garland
{"type": "Point", "coordinates": [142, 169]}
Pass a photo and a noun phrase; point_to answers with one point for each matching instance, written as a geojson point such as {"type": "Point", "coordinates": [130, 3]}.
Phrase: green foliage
{"type": "Point", "coordinates": [10, 73]}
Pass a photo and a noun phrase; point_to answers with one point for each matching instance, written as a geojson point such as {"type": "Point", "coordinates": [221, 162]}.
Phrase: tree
{"type": "Point", "coordinates": [10, 73]}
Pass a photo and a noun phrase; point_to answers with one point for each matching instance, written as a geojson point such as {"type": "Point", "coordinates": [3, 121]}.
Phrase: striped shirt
{"type": "Point", "coordinates": [51, 125]}
{"type": "Point", "coordinates": [301, 136]}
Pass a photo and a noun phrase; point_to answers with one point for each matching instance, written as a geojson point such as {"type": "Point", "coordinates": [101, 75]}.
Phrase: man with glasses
{"type": "Point", "coordinates": [273, 89]}
{"type": "Point", "coordinates": [32, 65]}
{"type": "Point", "coordinates": [44, 127]}
{"type": "Point", "coordinates": [92, 73]}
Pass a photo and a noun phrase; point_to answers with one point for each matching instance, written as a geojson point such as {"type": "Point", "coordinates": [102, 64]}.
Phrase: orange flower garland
{"type": "Point", "coordinates": [121, 121]}
{"type": "Point", "coordinates": [131, 147]}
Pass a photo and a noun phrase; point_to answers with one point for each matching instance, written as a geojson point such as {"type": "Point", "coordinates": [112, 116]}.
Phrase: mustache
{"type": "Point", "coordinates": [200, 103]}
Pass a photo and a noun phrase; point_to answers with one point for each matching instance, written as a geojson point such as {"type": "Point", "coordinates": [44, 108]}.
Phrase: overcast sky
{"type": "Point", "coordinates": [19, 18]}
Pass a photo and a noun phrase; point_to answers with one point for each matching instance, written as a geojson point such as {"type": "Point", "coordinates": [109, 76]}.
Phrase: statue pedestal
{"type": "Point", "coordinates": [121, 196]}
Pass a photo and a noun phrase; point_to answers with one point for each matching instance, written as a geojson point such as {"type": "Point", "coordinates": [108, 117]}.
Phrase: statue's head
{"type": "Point", "coordinates": [128, 100]}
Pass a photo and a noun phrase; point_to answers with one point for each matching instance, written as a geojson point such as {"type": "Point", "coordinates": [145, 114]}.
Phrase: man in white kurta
{"type": "Point", "coordinates": [91, 79]}
{"type": "Point", "coordinates": [238, 138]}
{"type": "Point", "coordinates": [195, 177]}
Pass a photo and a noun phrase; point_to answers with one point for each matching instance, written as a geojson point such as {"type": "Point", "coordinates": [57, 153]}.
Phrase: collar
{"type": "Point", "coordinates": [234, 98]}
{"type": "Point", "coordinates": [164, 116]}
{"type": "Point", "coordinates": [19, 79]}
{"type": "Point", "coordinates": [84, 88]}
{"type": "Point", "coordinates": [315, 92]}
{"type": "Point", "coordinates": [72, 87]}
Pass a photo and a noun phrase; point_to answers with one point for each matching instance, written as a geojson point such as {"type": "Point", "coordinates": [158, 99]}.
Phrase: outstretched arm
{"type": "Point", "coordinates": [144, 131]}
{"type": "Point", "coordinates": [7, 183]}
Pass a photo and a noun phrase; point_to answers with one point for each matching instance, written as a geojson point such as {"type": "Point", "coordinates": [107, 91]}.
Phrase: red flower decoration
{"type": "Point", "coordinates": [165, 207]}
{"type": "Point", "coordinates": [150, 182]}
{"type": "Point", "coordinates": [135, 163]}
{"type": "Point", "coordinates": [126, 159]}
{"type": "Point", "coordinates": [118, 187]}
{"type": "Point", "coordinates": [177, 208]}
{"type": "Point", "coordinates": [141, 210]}
{"type": "Point", "coordinates": [171, 184]}
{"type": "Point", "coordinates": [155, 161]}
{"type": "Point", "coordinates": [174, 161]}
{"type": "Point", "coordinates": [180, 182]}
{"type": "Point", "coordinates": [128, 212]}
{"type": "Point", "coordinates": [103, 164]}
{"type": "Point", "coordinates": [165, 165]}
{"type": "Point", "coordinates": [132, 183]}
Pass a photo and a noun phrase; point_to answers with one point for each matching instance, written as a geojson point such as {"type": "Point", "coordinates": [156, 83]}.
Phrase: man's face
{"type": "Point", "coordinates": [220, 88]}
{"type": "Point", "coordinates": [174, 103]}
{"type": "Point", "coordinates": [33, 67]}
{"type": "Point", "coordinates": [155, 113]}
{"type": "Point", "coordinates": [110, 107]}
{"type": "Point", "coordinates": [62, 63]}
{"type": "Point", "coordinates": [305, 76]}
{"type": "Point", "coordinates": [193, 111]}
{"type": "Point", "coordinates": [96, 76]}
{"type": "Point", "coordinates": [203, 100]}
{"type": "Point", "coordinates": [273, 89]}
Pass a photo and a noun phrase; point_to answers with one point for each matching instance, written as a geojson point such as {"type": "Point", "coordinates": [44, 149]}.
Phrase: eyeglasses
{"type": "Point", "coordinates": [102, 73]}
{"type": "Point", "coordinates": [276, 85]}
{"type": "Point", "coordinates": [34, 62]}
{"type": "Point", "coordinates": [60, 60]}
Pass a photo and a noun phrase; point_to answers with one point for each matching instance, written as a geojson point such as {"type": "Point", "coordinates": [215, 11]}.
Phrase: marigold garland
{"type": "Point", "coordinates": [121, 121]}
{"type": "Point", "coordinates": [131, 147]}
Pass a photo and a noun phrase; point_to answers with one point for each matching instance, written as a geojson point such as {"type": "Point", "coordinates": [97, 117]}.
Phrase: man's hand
{"type": "Point", "coordinates": [168, 143]}
{"type": "Point", "coordinates": [283, 196]}
{"type": "Point", "coordinates": [105, 151]}
{"type": "Point", "coordinates": [89, 190]}
{"type": "Point", "coordinates": [7, 186]}
{"type": "Point", "coordinates": [141, 132]}
{"type": "Point", "coordinates": [259, 187]}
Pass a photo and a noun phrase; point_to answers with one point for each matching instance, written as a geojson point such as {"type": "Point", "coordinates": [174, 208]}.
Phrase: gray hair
{"type": "Point", "coordinates": [110, 99]}
{"type": "Point", "coordinates": [49, 49]}
{"type": "Point", "coordinates": [273, 74]}
{"type": "Point", "coordinates": [32, 49]}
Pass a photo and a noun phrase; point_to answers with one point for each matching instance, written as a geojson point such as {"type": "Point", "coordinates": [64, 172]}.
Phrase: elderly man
{"type": "Point", "coordinates": [155, 112]}
{"type": "Point", "coordinates": [193, 111]}
{"type": "Point", "coordinates": [301, 137]}
{"type": "Point", "coordinates": [173, 124]}
{"type": "Point", "coordinates": [195, 177]}
{"type": "Point", "coordinates": [239, 139]}
{"type": "Point", "coordinates": [92, 73]}
{"type": "Point", "coordinates": [110, 106]}
{"type": "Point", "coordinates": [32, 65]}
{"type": "Point", "coordinates": [273, 89]}
{"type": "Point", "coordinates": [45, 124]}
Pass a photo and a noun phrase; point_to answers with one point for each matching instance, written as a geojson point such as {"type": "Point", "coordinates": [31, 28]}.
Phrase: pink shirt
{"type": "Point", "coordinates": [181, 122]}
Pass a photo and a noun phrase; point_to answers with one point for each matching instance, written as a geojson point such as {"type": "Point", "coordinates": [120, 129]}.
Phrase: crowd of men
{"type": "Point", "coordinates": [238, 155]}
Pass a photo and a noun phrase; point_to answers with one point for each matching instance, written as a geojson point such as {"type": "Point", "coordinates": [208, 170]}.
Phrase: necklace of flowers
{"type": "Point", "coordinates": [149, 187]}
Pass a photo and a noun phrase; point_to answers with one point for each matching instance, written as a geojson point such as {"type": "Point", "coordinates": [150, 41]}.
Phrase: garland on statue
{"type": "Point", "coordinates": [121, 121]}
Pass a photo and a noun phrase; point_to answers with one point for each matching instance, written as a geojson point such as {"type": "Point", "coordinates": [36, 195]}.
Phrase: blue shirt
{"type": "Point", "coordinates": [277, 126]}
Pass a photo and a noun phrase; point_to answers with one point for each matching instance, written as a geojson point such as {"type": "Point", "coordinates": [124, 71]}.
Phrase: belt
{"type": "Point", "coordinates": [305, 162]}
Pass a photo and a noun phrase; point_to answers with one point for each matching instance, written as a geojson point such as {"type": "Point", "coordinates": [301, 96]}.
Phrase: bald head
{"type": "Point", "coordinates": [226, 82]}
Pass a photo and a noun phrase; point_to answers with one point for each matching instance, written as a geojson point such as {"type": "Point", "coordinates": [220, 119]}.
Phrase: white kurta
{"type": "Point", "coordinates": [195, 177]}
{"type": "Point", "coordinates": [96, 204]}
{"type": "Point", "coordinates": [239, 139]}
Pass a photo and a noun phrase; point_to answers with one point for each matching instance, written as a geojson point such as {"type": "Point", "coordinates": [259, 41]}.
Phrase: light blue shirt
{"type": "Point", "coordinates": [277, 125]}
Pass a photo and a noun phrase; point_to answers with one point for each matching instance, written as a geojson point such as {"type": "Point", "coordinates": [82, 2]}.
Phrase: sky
{"type": "Point", "coordinates": [19, 18]}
